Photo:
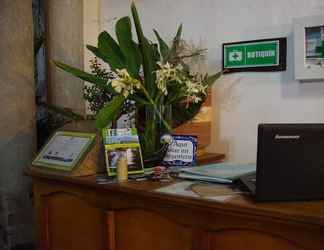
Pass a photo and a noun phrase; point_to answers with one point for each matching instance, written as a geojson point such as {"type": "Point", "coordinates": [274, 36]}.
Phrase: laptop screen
{"type": "Point", "coordinates": [290, 162]}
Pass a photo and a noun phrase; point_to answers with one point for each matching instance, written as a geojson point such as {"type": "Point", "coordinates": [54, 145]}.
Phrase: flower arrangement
{"type": "Point", "coordinates": [153, 76]}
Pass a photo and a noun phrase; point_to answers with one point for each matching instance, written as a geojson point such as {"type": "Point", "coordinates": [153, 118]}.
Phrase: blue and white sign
{"type": "Point", "coordinates": [182, 151]}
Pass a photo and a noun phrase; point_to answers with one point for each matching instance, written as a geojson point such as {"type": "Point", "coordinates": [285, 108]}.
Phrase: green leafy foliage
{"type": "Point", "coordinates": [109, 112]}
{"type": "Point", "coordinates": [182, 114]}
{"type": "Point", "coordinates": [128, 47]}
{"type": "Point", "coordinates": [98, 97]}
{"type": "Point", "coordinates": [110, 51]}
{"type": "Point", "coordinates": [95, 51]}
{"type": "Point", "coordinates": [209, 80]}
{"type": "Point", "coordinates": [175, 45]}
{"type": "Point", "coordinates": [102, 83]}
{"type": "Point", "coordinates": [164, 48]}
{"type": "Point", "coordinates": [127, 55]}
{"type": "Point", "coordinates": [149, 64]}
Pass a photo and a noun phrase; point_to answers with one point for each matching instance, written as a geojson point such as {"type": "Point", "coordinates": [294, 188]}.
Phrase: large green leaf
{"type": "Point", "coordinates": [110, 51]}
{"type": "Point", "coordinates": [109, 112]}
{"type": "Point", "coordinates": [95, 51]}
{"type": "Point", "coordinates": [128, 47]}
{"type": "Point", "coordinates": [156, 53]}
{"type": "Point", "coordinates": [175, 45]}
{"type": "Point", "coordinates": [149, 64]}
{"type": "Point", "coordinates": [209, 80]}
{"type": "Point", "coordinates": [177, 37]}
{"type": "Point", "coordinates": [164, 48]}
{"type": "Point", "coordinates": [141, 101]}
{"type": "Point", "coordinates": [102, 83]}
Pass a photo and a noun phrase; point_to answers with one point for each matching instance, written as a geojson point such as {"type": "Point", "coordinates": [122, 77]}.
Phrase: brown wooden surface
{"type": "Point", "coordinates": [200, 129]}
{"type": "Point", "coordinates": [78, 220]}
{"type": "Point", "coordinates": [132, 215]}
{"type": "Point", "coordinates": [210, 157]}
{"type": "Point", "coordinates": [197, 127]}
{"type": "Point", "coordinates": [137, 228]}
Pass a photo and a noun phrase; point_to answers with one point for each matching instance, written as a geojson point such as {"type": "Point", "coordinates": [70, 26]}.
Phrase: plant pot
{"type": "Point", "coordinates": [153, 149]}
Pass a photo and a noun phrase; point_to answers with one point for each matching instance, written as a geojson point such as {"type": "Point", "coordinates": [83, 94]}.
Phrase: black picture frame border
{"type": "Point", "coordinates": [282, 57]}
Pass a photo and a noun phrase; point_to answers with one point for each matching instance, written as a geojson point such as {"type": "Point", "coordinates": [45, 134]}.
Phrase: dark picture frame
{"type": "Point", "coordinates": [279, 66]}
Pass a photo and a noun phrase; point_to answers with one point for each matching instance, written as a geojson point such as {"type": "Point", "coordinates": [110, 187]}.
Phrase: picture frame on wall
{"type": "Point", "coordinates": [309, 48]}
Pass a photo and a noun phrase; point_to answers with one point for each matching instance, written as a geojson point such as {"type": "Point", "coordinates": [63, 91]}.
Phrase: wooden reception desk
{"type": "Point", "coordinates": [76, 213]}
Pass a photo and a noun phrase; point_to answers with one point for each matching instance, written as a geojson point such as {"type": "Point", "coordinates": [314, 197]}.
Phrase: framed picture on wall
{"type": "Point", "coordinates": [309, 48]}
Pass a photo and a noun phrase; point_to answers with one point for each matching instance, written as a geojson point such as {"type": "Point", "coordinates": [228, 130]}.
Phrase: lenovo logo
{"type": "Point", "coordinates": [279, 137]}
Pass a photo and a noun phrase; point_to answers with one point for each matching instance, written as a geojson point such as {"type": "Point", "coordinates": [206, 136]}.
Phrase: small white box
{"type": "Point", "coordinates": [309, 48]}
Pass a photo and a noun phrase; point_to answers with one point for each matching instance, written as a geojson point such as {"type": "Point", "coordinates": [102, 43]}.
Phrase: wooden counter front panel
{"type": "Point", "coordinates": [138, 229]}
{"type": "Point", "coordinates": [71, 217]}
{"type": "Point", "coordinates": [236, 239]}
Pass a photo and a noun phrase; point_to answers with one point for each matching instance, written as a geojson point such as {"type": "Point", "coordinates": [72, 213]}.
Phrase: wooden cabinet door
{"type": "Point", "coordinates": [70, 223]}
{"type": "Point", "coordinates": [138, 229]}
{"type": "Point", "coordinates": [235, 239]}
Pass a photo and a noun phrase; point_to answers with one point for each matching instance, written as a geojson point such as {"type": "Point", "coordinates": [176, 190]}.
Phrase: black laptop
{"type": "Point", "coordinates": [290, 163]}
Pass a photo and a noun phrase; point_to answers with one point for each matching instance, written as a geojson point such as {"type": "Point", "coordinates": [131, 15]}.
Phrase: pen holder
{"type": "Point", "coordinates": [122, 169]}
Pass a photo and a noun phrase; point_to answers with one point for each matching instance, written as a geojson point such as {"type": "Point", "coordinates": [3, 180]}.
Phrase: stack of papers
{"type": "Point", "coordinates": [219, 173]}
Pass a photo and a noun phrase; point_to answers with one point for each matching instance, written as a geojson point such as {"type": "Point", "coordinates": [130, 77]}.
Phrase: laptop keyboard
{"type": "Point", "coordinates": [248, 182]}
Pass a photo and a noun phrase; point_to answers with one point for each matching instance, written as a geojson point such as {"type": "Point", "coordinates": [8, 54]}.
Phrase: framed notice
{"type": "Point", "coordinates": [182, 151]}
{"type": "Point", "coordinates": [309, 48]}
{"type": "Point", "coordinates": [257, 55]}
{"type": "Point", "coordinates": [64, 150]}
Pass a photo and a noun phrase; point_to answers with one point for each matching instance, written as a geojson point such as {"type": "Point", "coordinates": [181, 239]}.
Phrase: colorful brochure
{"type": "Point", "coordinates": [122, 142]}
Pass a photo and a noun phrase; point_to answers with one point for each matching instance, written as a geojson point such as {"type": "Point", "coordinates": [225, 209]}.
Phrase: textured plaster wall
{"type": "Point", "coordinates": [242, 100]}
{"type": "Point", "coordinates": [65, 43]}
{"type": "Point", "coordinates": [17, 121]}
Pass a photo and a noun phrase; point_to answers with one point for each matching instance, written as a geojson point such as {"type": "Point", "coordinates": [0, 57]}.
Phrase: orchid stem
{"type": "Point", "coordinates": [155, 109]}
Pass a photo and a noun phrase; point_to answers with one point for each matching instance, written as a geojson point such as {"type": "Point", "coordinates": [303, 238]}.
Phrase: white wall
{"type": "Point", "coordinates": [243, 99]}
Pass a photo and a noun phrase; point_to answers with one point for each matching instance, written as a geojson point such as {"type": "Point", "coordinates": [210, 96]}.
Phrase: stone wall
{"type": "Point", "coordinates": [64, 34]}
{"type": "Point", "coordinates": [17, 122]}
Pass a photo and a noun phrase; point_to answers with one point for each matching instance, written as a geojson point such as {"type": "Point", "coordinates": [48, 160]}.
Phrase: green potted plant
{"type": "Point", "coordinates": [151, 75]}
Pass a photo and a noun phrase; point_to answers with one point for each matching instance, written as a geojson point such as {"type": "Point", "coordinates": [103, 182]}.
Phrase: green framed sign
{"type": "Point", "coordinates": [64, 150]}
{"type": "Point", "coordinates": [257, 55]}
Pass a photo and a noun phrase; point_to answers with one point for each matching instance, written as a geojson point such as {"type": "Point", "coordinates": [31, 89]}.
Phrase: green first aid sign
{"type": "Point", "coordinates": [251, 54]}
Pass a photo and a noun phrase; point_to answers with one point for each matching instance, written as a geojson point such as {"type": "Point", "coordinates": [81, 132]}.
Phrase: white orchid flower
{"type": "Point", "coordinates": [124, 83]}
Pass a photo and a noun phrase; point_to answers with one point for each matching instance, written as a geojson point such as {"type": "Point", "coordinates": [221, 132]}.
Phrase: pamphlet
{"type": "Point", "coordinates": [220, 172]}
{"type": "Point", "coordinates": [122, 142]}
{"type": "Point", "coordinates": [215, 192]}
